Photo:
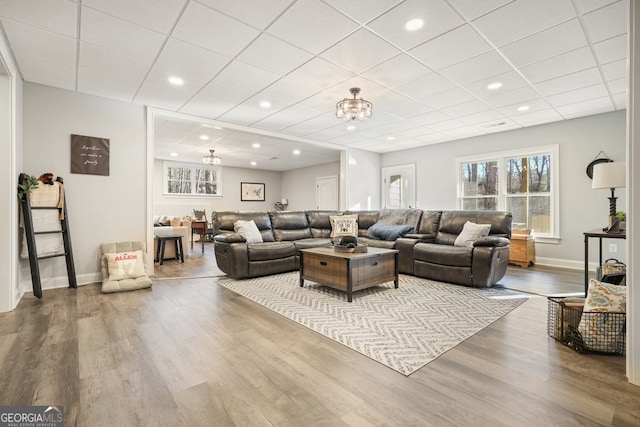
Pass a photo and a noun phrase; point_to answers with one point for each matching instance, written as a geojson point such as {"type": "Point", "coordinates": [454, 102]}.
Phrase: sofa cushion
{"type": "Point", "coordinates": [344, 225]}
{"type": "Point", "coordinates": [248, 230]}
{"type": "Point", "coordinates": [452, 222]}
{"type": "Point", "coordinates": [270, 250]}
{"type": "Point", "coordinates": [224, 221]}
{"type": "Point", "coordinates": [365, 220]}
{"type": "Point", "coordinates": [401, 216]}
{"type": "Point", "coordinates": [384, 231]}
{"type": "Point", "coordinates": [455, 256]}
{"type": "Point", "coordinates": [288, 225]}
{"type": "Point", "coordinates": [320, 223]}
{"type": "Point", "coordinates": [472, 232]}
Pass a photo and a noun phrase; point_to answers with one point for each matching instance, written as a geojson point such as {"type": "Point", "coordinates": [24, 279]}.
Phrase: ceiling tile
{"type": "Point", "coordinates": [46, 71]}
{"type": "Point", "coordinates": [117, 64]}
{"type": "Point", "coordinates": [271, 54]}
{"type": "Point", "coordinates": [523, 18]}
{"type": "Point", "coordinates": [585, 6]}
{"type": "Point", "coordinates": [533, 104]}
{"type": "Point", "coordinates": [187, 59]}
{"type": "Point", "coordinates": [157, 93]}
{"type": "Point", "coordinates": [546, 44]}
{"type": "Point", "coordinates": [478, 68]}
{"type": "Point", "coordinates": [537, 117]}
{"type": "Point", "coordinates": [319, 73]}
{"type": "Point", "coordinates": [611, 50]}
{"type": "Point", "coordinates": [620, 99]}
{"type": "Point", "coordinates": [591, 106]}
{"type": "Point", "coordinates": [246, 76]}
{"type": "Point", "coordinates": [618, 86]}
{"type": "Point", "coordinates": [569, 82]}
{"type": "Point", "coordinates": [288, 90]}
{"type": "Point", "coordinates": [421, 88]}
{"type": "Point", "coordinates": [578, 95]}
{"type": "Point", "coordinates": [397, 70]}
{"type": "Point", "coordinates": [466, 108]}
{"type": "Point", "coordinates": [608, 22]}
{"type": "Point", "coordinates": [472, 9]}
{"type": "Point", "coordinates": [360, 51]}
{"type": "Point", "coordinates": [510, 80]}
{"type": "Point", "coordinates": [483, 117]}
{"type": "Point", "coordinates": [407, 110]}
{"type": "Point", "coordinates": [215, 99]}
{"type": "Point", "coordinates": [44, 44]}
{"type": "Point", "coordinates": [451, 48]}
{"type": "Point", "coordinates": [516, 96]}
{"type": "Point", "coordinates": [113, 33]}
{"type": "Point", "coordinates": [615, 70]}
{"type": "Point", "coordinates": [158, 15]}
{"type": "Point", "coordinates": [202, 26]}
{"type": "Point", "coordinates": [437, 15]}
{"type": "Point", "coordinates": [448, 98]}
{"type": "Point", "coordinates": [97, 82]}
{"type": "Point", "coordinates": [50, 15]}
{"type": "Point", "coordinates": [312, 26]}
{"type": "Point", "coordinates": [287, 117]}
{"type": "Point", "coordinates": [258, 13]}
{"type": "Point", "coordinates": [363, 11]}
{"type": "Point", "coordinates": [566, 63]}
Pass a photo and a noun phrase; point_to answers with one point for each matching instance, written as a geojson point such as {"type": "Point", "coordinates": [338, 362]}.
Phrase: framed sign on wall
{"type": "Point", "coordinates": [89, 155]}
{"type": "Point", "coordinates": [251, 191]}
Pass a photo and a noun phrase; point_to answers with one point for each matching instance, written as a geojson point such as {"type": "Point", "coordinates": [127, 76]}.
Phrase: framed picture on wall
{"type": "Point", "coordinates": [251, 192]}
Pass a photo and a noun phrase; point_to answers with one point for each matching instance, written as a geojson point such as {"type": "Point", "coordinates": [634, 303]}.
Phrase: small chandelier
{"type": "Point", "coordinates": [351, 109]}
{"type": "Point", "coordinates": [211, 158]}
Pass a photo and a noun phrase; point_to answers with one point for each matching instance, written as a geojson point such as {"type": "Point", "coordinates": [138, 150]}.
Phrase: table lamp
{"type": "Point", "coordinates": [610, 175]}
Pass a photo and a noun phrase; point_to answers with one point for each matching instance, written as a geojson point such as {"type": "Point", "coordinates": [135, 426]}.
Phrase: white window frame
{"type": "Point", "coordinates": [554, 235]}
{"type": "Point", "coordinates": [193, 166]}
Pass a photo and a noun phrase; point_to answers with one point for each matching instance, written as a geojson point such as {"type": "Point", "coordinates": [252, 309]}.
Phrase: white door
{"type": "Point", "coordinates": [327, 193]}
{"type": "Point", "coordinates": [398, 187]}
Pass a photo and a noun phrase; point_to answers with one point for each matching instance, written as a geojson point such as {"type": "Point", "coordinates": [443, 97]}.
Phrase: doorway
{"type": "Point", "coordinates": [327, 193]}
{"type": "Point", "coordinates": [398, 187]}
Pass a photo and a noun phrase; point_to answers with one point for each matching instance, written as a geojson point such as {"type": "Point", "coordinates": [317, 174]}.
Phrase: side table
{"type": "Point", "coordinates": [200, 228]}
{"type": "Point", "coordinates": [162, 241]}
{"type": "Point", "coordinates": [598, 234]}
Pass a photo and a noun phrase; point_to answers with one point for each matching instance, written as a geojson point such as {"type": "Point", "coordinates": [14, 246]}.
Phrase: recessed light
{"type": "Point", "coordinates": [217, 127]}
{"type": "Point", "coordinates": [174, 154]}
{"type": "Point", "coordinates": [176, 81]}
{"type": "Point", "coordinates": [414, 24]}
{"type": "Point", "coordinates": [391, 138]}
{"type": "Point", "coordinates": [494, 86]}
{"type": "Point", "coordinates": [204, 137]}
{"type": "Point", "coordinates": [351, 127]}
{"type": "Point", "coordinates": [296, 152]}
{"type": "Point", "coordinates": [265, 104]}
{"type": "Point", "coordinates": [253, 163]}
{"type": "Point", "coordinates": [255, 145]}
{"type": "Point", "coordinates": [523, 108]}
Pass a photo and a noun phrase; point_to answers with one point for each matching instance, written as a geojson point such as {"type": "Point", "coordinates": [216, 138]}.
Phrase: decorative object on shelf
{"type": "Point", "coordinates": [622, 217]}
{"type": "Point", "coordinates": [280, 206]}
{"type": "Point", "coordinates": [354, 108]}
{"type": "Point", "coordinates": [211, 158]}
{"type": "Point", "coordinates": [27, 185]}
{"type": "Point", "coordinates": [251, 192]}
{"type": "Point", "coordinates": [89, 155]}
{"type": "Point", "coordinates": [610, 175]}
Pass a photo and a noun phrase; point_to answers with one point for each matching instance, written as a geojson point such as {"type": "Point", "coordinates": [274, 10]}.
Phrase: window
{"type": "Point", "coordinates": [192, 179]}
{"type": "Point", "coordinates": [523, 182]}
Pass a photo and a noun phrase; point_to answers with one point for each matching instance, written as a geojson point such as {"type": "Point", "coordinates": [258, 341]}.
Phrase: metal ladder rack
{"type": "Point", "coordinates": [31, 241]}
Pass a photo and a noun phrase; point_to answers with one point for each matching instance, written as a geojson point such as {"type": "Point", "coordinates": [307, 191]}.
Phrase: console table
{"type": "Point", "coordinates": [598, 234]}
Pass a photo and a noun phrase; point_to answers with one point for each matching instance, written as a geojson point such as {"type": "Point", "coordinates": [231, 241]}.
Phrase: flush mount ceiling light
{"type": "Point", "coordinates": [523, 108]}
{"type": "Point", "coordinates": [494, 86]}
{"type": "Point", "coordinates": [176, 81]}
{"type": "Point", "coordinates": [354, 108]}
{"type": "Point", "coordinates": [211, 158]}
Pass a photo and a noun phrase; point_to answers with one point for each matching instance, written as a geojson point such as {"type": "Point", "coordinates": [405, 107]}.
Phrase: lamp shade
{"type": "Point", "coordinates": [609, 175]}
{"type": "Point", "coordinates": [285, 201]}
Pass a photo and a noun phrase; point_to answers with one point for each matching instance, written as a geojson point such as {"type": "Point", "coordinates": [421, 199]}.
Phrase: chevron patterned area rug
{"type": "Point", "coordinates": [403, 328]}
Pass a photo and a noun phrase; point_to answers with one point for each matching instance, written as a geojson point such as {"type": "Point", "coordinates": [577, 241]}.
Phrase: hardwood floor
{"type": "Point", "coordinates": [189, 352]}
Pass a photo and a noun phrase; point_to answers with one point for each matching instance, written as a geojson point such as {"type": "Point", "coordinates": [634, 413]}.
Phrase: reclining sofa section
{"type": "Point", "coordinates": [428, 251]}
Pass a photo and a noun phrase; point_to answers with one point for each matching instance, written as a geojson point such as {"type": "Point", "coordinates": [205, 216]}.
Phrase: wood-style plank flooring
{"type": "Point", "coordinates": [189, 352]}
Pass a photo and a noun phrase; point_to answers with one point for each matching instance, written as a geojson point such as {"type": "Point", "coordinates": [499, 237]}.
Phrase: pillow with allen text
{"type": "Point", "coordinates": [125, 265]}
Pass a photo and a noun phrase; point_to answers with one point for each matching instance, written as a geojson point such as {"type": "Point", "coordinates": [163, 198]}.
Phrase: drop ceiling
{"type": "Point", "coordinates": [555, 60]}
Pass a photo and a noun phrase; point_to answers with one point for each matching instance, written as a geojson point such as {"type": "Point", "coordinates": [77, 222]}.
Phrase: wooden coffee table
{"type": "Point", "coordinates": [349, 272]}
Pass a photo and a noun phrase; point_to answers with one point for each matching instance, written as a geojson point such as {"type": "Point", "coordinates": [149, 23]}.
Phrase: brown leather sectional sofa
{"type": "Point", "coordinates": [428, 251]}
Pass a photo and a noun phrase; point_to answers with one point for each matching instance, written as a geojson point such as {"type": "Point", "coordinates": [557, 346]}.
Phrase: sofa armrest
{"type": "Point", "coordinates": [229, 238]}
{"type": "Point", "coordinates": [492, 241]}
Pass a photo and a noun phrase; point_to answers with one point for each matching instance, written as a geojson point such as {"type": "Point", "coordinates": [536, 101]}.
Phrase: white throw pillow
{"type": "Point", "coordinates": [125, 265]}
{"type": "Point", "coordinates": [472, 232]}
{"type": "Point", "coordinates": [344, 225]}
{"type": "Point", "coordinates": [248, 230]}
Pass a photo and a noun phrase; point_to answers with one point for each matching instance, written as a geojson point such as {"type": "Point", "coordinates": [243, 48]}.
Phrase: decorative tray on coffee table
{"type": "Point", "coordinates": [350, 249]}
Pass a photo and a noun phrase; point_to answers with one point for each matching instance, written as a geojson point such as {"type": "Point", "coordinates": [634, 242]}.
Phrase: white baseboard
{"type": "Point", "coordinates": [564, 263]}
{"type": "Point", "coordinates": [60, 282]}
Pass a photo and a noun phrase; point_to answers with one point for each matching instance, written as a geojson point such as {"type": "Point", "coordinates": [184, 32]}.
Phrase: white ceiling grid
{"type": "Point", "coordinates": [561, 58]}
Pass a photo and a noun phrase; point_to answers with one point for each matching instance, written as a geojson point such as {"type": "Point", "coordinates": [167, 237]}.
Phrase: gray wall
{"type": "Point", "coordinates": [298, 185]}
{"type": "Point", "coordinates": [363, 179]}
{"type": "Point", "coordinates": [581, 208]}
{"type": "Point", "coordinates": [100, 208]}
